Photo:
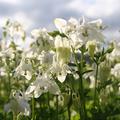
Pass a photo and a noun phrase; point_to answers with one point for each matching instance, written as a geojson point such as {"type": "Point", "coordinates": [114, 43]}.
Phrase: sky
{"type": "Point", "coordinates": [41, 13]}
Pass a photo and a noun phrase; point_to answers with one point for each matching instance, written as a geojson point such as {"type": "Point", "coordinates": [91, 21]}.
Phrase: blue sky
{"type": "Point", "coordinates": [41, 13]}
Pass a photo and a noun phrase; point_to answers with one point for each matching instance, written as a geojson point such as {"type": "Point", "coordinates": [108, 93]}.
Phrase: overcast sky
{"type": "Point", "coordinates": [41, 13]}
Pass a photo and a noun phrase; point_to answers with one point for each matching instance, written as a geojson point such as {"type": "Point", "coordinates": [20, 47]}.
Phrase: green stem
{"type": "Point", "coordinates": [0, 85]}
{"type": "Point", "coordinates": [81, 89]}
{"type": "Point", "coordinates": [15, 116]}
{"type": "Point", "coordinates": [33, 108]}
{"type": "Point", "coordinates": [82, 112]}
{"type": "Point", "coordinates": [48, 99]}
{"type": "Point", "coordinates": [95, 90]}
{"type": "Point", "coordinates": [69, 106]}
{"type": "Point", "coordinates": [9, 83]}
{"type": "Point", "coordinates": [56, 107]}
{"type": "Point", "coordinates": [69, 113]}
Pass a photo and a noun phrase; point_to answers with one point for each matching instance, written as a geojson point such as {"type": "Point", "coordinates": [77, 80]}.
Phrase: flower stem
{"type": "Point", "coordinates": [56, 107]}
{"type": "Point", "coordinates": [81, 90]}
{"type": "Point", "coordinates": [69, 106]}
{"type": "Point", "coordinates": [33, 108]}
{"type": "Point", "coordinates": [9, 82]}
{"type": "Point", "coordinates": [48, 104]}
{"type": "Point", "coordinates": [82, 112]}
{"type": "Point", "coordinates": [69, 113]}
{"type": "Point", "coordinates": [95, 90]}
{"type": "Point", "coordinates": [15, 117]}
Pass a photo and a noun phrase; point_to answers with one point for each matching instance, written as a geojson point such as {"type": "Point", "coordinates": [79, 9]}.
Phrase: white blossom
{"type": "Point", "coordinates": [60, 70]}
{"type": "Point", "coordinates": [115, 55]}
{"type": "Point", "coordinates": [41, 85]}
{"type": "Point", "coordinates": [43, 41]}
{"type": "Point", "coordinates": [18, 104]}
{"type": "Point", "coordinates": [24, 69]}
{"type": "Point", "coordinates": [63, 49]}
{"type": "Point", "coordinates": [116, 70]}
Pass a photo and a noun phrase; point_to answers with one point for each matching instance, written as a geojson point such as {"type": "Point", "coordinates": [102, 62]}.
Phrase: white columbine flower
{"type": "Point", "coordinates": [24, 69]}
{"type": "Point", "coordinates": [63, 49]}
{"type": "Point", "coordinates": [116, 71]}
{"type": "Point", "coordinates": [91, 46]}
{"type": "Point", "coordinates": [115, 55]}
{"type": "Point", "coordinates": [18, 104]}
{"type": "Point", "coordinates": [91, 30]}
{"type": "Point", "coordinates": [14, 28]}
{"type": "Point", "coordinates": [59, 69]}
{"type": "Point", "coordinates": [9, 52]}
{"type": "Point", "coordinates": [66, 26]}
{"type": "Point", "coordinates": [41, 85]}
{"type": "Point", "coordinates": [43, 41]}
{"type": "Point", "coordinates": [46, 58]}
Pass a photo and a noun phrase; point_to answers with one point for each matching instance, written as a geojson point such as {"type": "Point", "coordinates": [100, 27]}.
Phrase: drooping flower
{"type": "Point", "coordinates": [9, 52]}
{"type": "Point", "coordinates": [14, 28]}
{"type": "Point", "coordinates": [46, 58]}
{"type": "Point", "coordinates": [60, 70]}
{"type": "Point", "coordinates": [18, 104]}
{"type": "Point", "coordinates": [91, 30]}
{"type": "Point", "coordinates": [41, 85]}
{"type": "Point", "coordinates": [63, 49]}
{"type": "Point", "coordinates": [104, 71]}
{"type": "Point", "coordinates": [91, 46]}
{"type": "Point", "coordinates": [115, 54]}
{"type": "Point", "coordinates": [24, 69]}
{"type": "Point", "coordinates": [66, 26]}
{"type": "Point", "coordinates": [116, 71]}
{"type": "Point", "coordinates": [43, 41]}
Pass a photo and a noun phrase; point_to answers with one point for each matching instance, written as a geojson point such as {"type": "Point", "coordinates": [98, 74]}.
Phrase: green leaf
{"type": "Point", "coordinates": [4, 34]}
{"type": "Point", "coordinates": [55, 33]}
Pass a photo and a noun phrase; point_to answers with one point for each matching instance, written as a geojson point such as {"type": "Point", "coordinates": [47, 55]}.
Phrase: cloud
{"type": "Point", "coordinates": [41, 13]}
{"type": "Point", "coordinates": [95, 8]}
{"type": "Point", "coordinates": [11, 2]}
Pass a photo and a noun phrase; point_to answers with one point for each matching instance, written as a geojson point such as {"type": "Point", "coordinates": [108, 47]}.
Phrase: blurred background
{"type": "Point", "coordinates": [41, 13]}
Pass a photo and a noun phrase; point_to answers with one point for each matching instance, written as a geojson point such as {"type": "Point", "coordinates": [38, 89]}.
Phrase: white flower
{"type": "Point", "coordinates": [60, 70]}
{"type": "Point", "coordinates": [104, 71]}
{"type": "Point", "coordinates": [96, 23]}
{"type": "Point", "coordinates": [91, 46]}
{"type": "Point", "coordinates": [116, 71]}
{"type": "Point", "coordinates": [3, 71]}
{"type": "Point", "coordinates": [75, 40]}
{"type": "Point", "coordinates": [41, 85]}
{"type": "Point", "coordinates": [66, 26]}
{"type": "Point", "coordinates": [9, 52]}
{"type": "Point", "coordinates": [115, 55]}
{"type": "Point", "coordinates": [24, 69]}
{"type": "Point", "coordinates": [60, 24]}
{"type": "Point", "coordinates": [43, 41]}
{"type": "Point", "coordinates": [63, 49]}
{"type": "Point", "coordinates": [90, 31]}
{"type": "Point", "coordinates": [14, 28]}
{"type": "Point", "coordinates": [46, 58]}
{"type": "Point", "coordinates": [18, 104]}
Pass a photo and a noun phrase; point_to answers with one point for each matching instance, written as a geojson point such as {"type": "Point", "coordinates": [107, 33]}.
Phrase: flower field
{"type": "Point", "coordinates": [71, 73]}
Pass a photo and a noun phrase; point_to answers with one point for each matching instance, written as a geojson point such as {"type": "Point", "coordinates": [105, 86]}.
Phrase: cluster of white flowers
{"type": "Point", "coordinates": [80, 32]}
{"type": "Point", "coordinates": [48, 57]}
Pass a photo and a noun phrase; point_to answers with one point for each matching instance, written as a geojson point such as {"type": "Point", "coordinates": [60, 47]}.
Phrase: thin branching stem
{"type": "Point", "coordinates": [82, 110]}
{"type": "Point", "coordinates": [33, 108]}
{"type": "Point", "coordinates": [95, 89]}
